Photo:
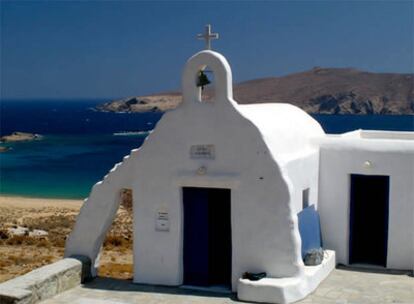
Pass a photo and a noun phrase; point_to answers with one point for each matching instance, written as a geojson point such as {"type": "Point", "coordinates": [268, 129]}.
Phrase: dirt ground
{"type": "Point", "coordinates": [23, 253]}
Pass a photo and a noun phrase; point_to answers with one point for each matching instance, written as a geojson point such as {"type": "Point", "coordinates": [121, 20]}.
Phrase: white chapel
{"type": "Point", "coordinates": [221, 189]}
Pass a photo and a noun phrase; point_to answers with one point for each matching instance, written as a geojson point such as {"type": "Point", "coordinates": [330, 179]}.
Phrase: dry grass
{"type": "Point", "coordinates": [122, 271]}
{"type": "Point", "coordinates": [20, 240]}
{"type": "Point", "coordinates": [19, 259]}
{"type": "Point", "coordinates": [117, 241]}
{"type": "Point", "coordinates": [21, 254]}
{"type": "Point", "coordinates": [58, 221]}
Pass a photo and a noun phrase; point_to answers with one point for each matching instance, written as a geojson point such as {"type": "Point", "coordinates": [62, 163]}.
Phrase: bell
{"type": "Point", "coordinates": [202, 80]}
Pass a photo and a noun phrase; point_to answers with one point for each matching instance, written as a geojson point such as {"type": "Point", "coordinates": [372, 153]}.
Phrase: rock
{"type": "Point", "coordinates": [38, 233]}
{"type": "Point", "coordinates": [17, 231]}
{"type": "Point", "coordinates": [19, 136]}
{"type": "Point", "coordinates": [3, 235]}
{"type": "Point", "coordinates": [314, 257]}
{"type": "Point", "coordinates": [158, 103]}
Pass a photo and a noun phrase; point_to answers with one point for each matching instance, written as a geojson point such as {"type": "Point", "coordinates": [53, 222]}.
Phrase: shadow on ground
{"type": "Point", "coordinates": [110, 284]}
{"type": "Point", "coordinates": [374, 269]}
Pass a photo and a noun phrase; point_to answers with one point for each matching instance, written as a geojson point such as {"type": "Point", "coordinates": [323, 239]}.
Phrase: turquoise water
{"type": "Point", "coordinates": [62, 166]}
{"type": "Point", "coordinates": [77, 149]}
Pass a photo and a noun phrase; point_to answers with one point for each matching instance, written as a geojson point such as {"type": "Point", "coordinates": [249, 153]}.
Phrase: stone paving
{"type": "Point", "coordinates": [343, 286]}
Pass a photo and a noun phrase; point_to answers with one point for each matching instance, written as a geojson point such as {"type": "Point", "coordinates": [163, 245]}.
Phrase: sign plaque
{"type": "Point", "coordinates": [162, 222]}
{"type": "Point", "coordinates": [202, 152]}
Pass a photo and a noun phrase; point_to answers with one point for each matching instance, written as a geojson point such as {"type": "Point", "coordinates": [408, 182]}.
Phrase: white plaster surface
{"type": "Point", "coordinates": [286, 290]}
{"type": "Point", "coordinates": [389, 153]}
{"type": "Point", "coordinates": [97, 214]}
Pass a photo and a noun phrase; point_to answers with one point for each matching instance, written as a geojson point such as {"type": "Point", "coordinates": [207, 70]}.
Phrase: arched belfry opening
{"type": "Point", "coordinates": [207, 75]}
{"type": "Point", "coordinates": [205, 81]}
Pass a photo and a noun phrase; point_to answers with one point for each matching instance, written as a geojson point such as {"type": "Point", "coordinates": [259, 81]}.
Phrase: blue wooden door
{"type": "Point", "coordinates": [207, 237]}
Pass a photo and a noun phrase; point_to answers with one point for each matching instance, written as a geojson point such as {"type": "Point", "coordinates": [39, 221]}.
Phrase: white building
{"type": "Point", "coordinates": [217, 188]}
{"type": "Point", "coordinates": [366, 197]}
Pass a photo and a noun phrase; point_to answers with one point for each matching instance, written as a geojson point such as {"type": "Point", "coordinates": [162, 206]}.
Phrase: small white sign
{"type": "Point", "coordinates": [162, 222]}
{"type": "Point", "coordinates": [202, 152]}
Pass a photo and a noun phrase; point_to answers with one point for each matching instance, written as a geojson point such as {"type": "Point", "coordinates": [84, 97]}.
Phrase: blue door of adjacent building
{"type": "Point", "coordinates": [207, 237]}
{"type": "Point", "coordinates": [369, 219]}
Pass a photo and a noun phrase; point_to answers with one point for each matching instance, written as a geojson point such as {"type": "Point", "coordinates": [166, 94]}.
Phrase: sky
{"type": "Point", "coordinates": [112, 49]}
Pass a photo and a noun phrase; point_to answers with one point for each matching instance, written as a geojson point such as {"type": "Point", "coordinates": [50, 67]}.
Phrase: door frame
{"type": "Point", "coordinates": [229, 184]}
{"type": "Point", "coordinates": [350, 214]}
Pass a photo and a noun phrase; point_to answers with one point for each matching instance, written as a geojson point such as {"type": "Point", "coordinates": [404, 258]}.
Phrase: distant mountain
{"type": "Point", "coordinates": [320, 90]}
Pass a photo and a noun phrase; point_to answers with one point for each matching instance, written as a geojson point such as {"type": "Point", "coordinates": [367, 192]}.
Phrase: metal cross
{"type": "Point", "coordinates": [208, 36]}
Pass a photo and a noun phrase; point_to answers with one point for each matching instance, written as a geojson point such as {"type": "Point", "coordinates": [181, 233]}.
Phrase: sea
{"type": "Point", "coordinates": [80, 145]}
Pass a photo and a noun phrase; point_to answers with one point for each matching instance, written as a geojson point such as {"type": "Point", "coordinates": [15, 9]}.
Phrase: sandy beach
{"type": "Point", "coordinates": [38, 203]}
{"type": "Point", "coordinates": [55, 218]}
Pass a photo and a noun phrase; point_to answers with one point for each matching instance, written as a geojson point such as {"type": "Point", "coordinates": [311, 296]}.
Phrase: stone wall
{"type": "Point", "coordinates": [42, 283]}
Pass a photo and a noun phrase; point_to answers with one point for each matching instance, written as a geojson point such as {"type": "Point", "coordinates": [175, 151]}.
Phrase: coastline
{"type": "Point", "coordinates": [10, 201]}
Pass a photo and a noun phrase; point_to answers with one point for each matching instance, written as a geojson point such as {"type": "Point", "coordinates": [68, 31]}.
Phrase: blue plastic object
{"type": "Point", "coordinates": [309, 229]}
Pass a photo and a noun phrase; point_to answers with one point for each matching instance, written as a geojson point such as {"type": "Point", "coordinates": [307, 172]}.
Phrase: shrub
{"type": "Point", "coordinates": [114, 241]}
{"type": "Point", "coordinates": [43, 243]}
{"type": "Point", "coordinates": [3, 235]}
{"type": "Point", "coordinates": [21, 240]}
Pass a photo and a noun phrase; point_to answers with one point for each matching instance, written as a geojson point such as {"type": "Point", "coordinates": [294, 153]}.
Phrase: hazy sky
{"type": "Point", "coordinates": [96, 49]}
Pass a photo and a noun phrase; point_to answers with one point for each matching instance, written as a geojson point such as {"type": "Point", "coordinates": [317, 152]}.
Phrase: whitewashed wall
{"type": "Point", "coordinates": [340, 157]}
{"type": "Point", "coordinates": [304, 174]}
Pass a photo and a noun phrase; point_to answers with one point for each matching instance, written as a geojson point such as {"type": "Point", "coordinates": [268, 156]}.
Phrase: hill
{"type": "Point", "coordinates": [320, 90]}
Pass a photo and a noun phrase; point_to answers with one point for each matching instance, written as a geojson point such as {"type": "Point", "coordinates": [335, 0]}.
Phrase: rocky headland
{"type": "Point", "coordinates": [19, 136]}
{"type": "Point", "coordinates": [317, 91]}
{"type": "Point", "coordinates": [156, 103]}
